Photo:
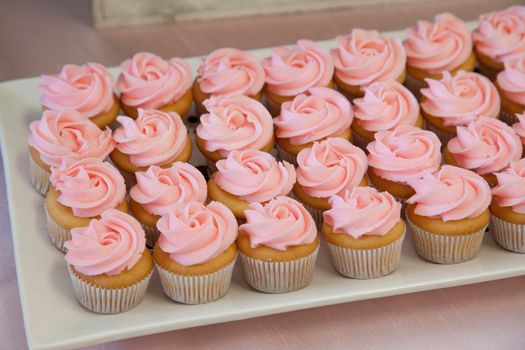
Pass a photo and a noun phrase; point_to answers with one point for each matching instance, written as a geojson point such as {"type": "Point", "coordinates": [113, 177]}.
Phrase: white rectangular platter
{"type": "Point", "coordinates": [54, 320]}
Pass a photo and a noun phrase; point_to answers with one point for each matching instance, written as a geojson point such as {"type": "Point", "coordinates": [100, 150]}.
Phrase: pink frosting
{"type": "Point", "coordinates": [405, 153]}
{"type": "Point", "coordinates": [60, 135]}
{"type": "Point", "coordinates": [254, 176]}
{"type": "Point", "coordinates": [235, 123]}
{"type": "Point", "coordinates": [291, 72]}
{"type": "Point", "coordinates": [519, 127]}
{"type": "Point", "coordinates": [154, 138]}
{"type": "Point", "coordinates": [385, 106]}
{"type": "Point", "coordinates": [158, 189]}
{"type": "Point", "coordinates": [109, 245]}
{"type": "Point", "coordinates": [365, 56]}
{"type": "Point", "coordinates": [330, 167]}
{"type": "Point", "coordinates": [231, 71]}
{"type": "Point", "coordinates": [461, 98]}
{"type": "Point", "coordinates": [281, 223]}
{"type": "Point", "coordinates": [485, 145]}
{"type": "Point", "coordinates": [148, 81]}
{"type": "Point", "coordinates": [510, 191]}
{"type": "Point", "coordinates": [197, 233]}
{"type": "Point", "coordinates": [512, 79]}
{"type": "Point", "coordinates": [317, 114]}
{"type": "Point", "coordinates": [87, 89]}
{"type": "Point", "coordinates": [451, 193]}
{"type": "Point", "coordinates": [363, 211]}
{"type": "Point", "coordinates": [440, 46]}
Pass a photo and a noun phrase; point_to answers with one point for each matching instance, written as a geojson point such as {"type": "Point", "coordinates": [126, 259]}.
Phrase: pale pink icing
{"type": "Point", "coordinates": [281, 223]}
{"type": "Point", "coordinates": [159, 189]}
{"type": "Point", "coordinates": [485, 145]}
{"type": "Point", "coordinates": [330, 167]}
{"type": "Point", "coordinates": [234, 123]}
{"type": "Point", "coordinates": [148, 81]}
{"type": "Point", "coordinates": [385, 106]}
{"type": "Point", "coordinates": [451, 193]}
{"type": "Point", "coordinates": [60, 135]}
{"type": "Point", "coordinates": [108, 245]}
{"type": "Point", "coordinates": [87, 89]}
{"type": "Point", "coordinates": [196, 233]}
{"type": "Point", "coordinates": [440, 46]}
{"type": "Point", "coordinates": [365, 56]}
{"type": "Point", "coordinates": [405, 153]}
{"type": "Point", "coordinates": [519, 127]}
{"type": "Point", "coordinates": [291, 72]}
{"type": "Point", "coordinates": [154, 138]}
{"type": "Point", "coordinates": [317, 114]}
{"type": "Point", "coordinates": [229, 71]}
{"type": "Point", "coordinates": [461, 98]}
{"type": "Point", "coordinates": [363, 211]}
{"type": "Point", "coordinates": [254, 176]}
{"type": "Point", "coordinates": [510, 191]}
{"type": "Point", "coordinates": [512, 79]}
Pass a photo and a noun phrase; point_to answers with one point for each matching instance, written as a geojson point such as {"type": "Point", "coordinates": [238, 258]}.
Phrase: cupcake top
{"type": "Point", "coordinates": [159, 189]}
{"type": "Point", "coordinates": [440, 46]}
{"type": "Point", "coordinates": [385, 106]}
{"type": "Point", "coordinates": [154, 138]}
{"type": "Point", "coordinates": [60, 135]}
{"type": "Point", "coordinates": [405, 153]}
{"type": "Point", "coordinates": [148, 81]}
{"type": "Point", "coordinates": [281, 223]}
{"type": "Point", "coordinates": [197, 233]}
{"type": "Point", "coordinates": [234, 122]}
{"type": "Point", "coordinates": [87, 89]}
{"type": "Point", "coordinates": [363, 211]}
{"type": "Point", "coordinates": [108, 245]}
{"type": "Point", "coordinates": [511, 80]}
{"type": "Point", "coordinates": [519, 127]}
{"type": "Point", "coordinates": [230, 72]}
{"type": "Point", "coordinates": [314, 115]}
{"type": "Point", "coordinates": [461, 98]}
{"type": "Point", "coordinates": [510, 191]}
{"type": "Point", "coordinates": [365, 57]}
{"type": "Point", "coordinates": [254, 176]}
{"type": "Point", "coordinates": [88, 186]}
{"type": "Point", "coordinates": [291, 72]}
{"type": "Point", "coordinates": [451, 193]}
{"type": "Point", "coordinates": [485, 145]}
{"type": "Point", "coordinates": [330, 167]}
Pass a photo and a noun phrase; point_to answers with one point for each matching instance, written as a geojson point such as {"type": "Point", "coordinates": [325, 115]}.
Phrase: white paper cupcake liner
{"type": "Point", "coordinates": [283, 155]}
{"type": "Point", "coordinates": [508, 118]}
{"type": "Point", "coordinates": [509, 235]}
{"type": "Point", "coordinates": [443, 136]}
{"type": "Point", "coordinates": [56, 233]}
{"type": "Point", "coordinates": [152, 235]}
{"type": "Point", "coordinates": [359, 141]}
{"type": "Point", "coordinates": [39, 177]}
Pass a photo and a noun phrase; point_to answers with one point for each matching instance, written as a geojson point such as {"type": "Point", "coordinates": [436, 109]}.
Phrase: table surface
{"type": "Point", "coordinates": [40, 36]}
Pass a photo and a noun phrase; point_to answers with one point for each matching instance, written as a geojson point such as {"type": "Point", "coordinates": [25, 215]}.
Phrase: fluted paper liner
{"type": "Point", "coordinates": [152, 235]}
{"type": "Point", "coordinates": [283, 155]}
{"type": "Point", "coordinates": [509, 118]}
{"type": "Point", "coordinates": [57, 234]}
{"type": "Point", "coordinates": [316, 213]}
{"type": "Point", "coordinates": [39, 177]}
{"type": "Point", "coordinates": [443, 136]}
{"type": "Point", "coordinates": [507, 234]}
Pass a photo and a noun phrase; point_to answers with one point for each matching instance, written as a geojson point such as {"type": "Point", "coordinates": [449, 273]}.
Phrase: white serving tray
{"type": "Point", "coordinates": [54, 320]}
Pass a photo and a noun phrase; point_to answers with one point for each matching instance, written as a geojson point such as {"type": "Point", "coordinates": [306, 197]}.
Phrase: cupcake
{"type": "Point", "coordinates": [196, 252]}
{"type": "Point", "coordinates": [233, 123]}
{"type": "Point", "coordinates": [313, 116]}
{"type": "Point", "coordinates": [249, 176]}
{"type": "Point", "coordinates": [365, 57]}
{"type": "Point", "coordinates": [448, 214]}
{"type": "Point", "coordinates": [511, 86]}
{"type": "Point", "coordinates": [278, 246]}
{"type": "Point", "coordinates": [86, 89]}
{"type": "Point", "coordinates": [158, 190]}
{"type": "Point", "coordinates": [149, 82]}
{"type": "Point", "coordinates": [327, 168]}
{"type": "Point", "coordinates": [228, 71]}
{"type": "Point", "coordinates": [457, 100]}
{"type": "Point", "coordinates": [519, 128]}
{"type": "Point", "coordinates": [291, 72]}
{"type": "Point", "coordinates": [81, 191]}
{"type": "Point", "coordinates": [60, 135]}
{"type": "Point", "coordinates": [485, 146]}
{"type": "Point", "coordinates": [364, 232]}
{"type": "Point", "coordinates": [108, 263]}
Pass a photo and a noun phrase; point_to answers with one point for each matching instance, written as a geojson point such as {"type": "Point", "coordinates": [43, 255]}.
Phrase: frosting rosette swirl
{"type": "Point", "coordinates": [148, 81]}
{"type": "Point", "coordinates": [281, 223]}
{"type": "Point", "coordinates": [451, 193]}
{"type": "Point", "coordinates": [519, 127]}
{"type": "Point", "coordinates": [363, 211]}
{"type": "Point", "coordinates": [108, 245]}
{"type": "Point", "coordinates": [196, 233]}
{"type": "Point", "coordinates": [510, 191]}
{"type": "Point", "coordinates": [317, 114]}
{"type": "Point", "coordinates": [330, 167]}
{"type": "Point", "coordinates": [60, 135]}
{"type": "Point", "coordinates": [512, 79]}
{"type": "Point", "coordinates": [254, 176]}
{"type": "Point", "coordinates": [291, 72]}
